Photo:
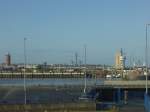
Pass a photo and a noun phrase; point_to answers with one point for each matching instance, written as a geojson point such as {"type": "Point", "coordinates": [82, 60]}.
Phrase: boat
{"type": "Point", "coordinates": [85, 96]}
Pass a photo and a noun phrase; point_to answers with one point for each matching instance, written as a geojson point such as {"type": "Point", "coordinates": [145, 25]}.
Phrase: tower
{"type": "Point", "coordinates": [120, 60]}
{"type": "Point", "coordinates": [8, 59]}
{"type": "Point", "coordinates": [76, 59]}
{"type": "Point", "coordinates": [117, 60]}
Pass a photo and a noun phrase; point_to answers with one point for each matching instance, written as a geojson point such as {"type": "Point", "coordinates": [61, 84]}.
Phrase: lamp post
{"type": "Point", "coordinates": [25, 61]}
{"type": "Point", "coordinates": [146, 59]}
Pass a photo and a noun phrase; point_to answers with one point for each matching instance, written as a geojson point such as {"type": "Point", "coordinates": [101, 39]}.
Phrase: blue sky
{"type": "Point", "coordinates": [56, 29]}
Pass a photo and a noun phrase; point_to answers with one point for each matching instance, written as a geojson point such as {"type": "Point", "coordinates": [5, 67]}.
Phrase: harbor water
{"type": "Point", "coordinates": [42, 90]}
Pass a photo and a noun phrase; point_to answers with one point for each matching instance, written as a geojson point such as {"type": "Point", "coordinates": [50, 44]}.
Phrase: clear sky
{"type": "Point", "coordinates": [56, 29]}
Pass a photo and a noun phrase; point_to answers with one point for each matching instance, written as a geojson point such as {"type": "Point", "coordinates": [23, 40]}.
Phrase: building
{"type": "Point", "coordinates": [8, 59]}
{"type": "Point", "coordinates": [120, 60]}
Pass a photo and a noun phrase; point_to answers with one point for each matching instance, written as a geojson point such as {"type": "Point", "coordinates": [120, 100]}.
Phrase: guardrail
{"type": "Point", "coordinates": [123, 84]}
{"type": "Point", "coordinates": [10, 75]}
{"type": "Point", "coordinates": [40, 73]}
{"type": "Point", "coordinates": [147, 102]}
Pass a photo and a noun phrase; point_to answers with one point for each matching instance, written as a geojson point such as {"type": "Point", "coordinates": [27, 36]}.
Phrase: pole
{"type": "Point", "coordinates": [25, 60]}
{"type": "Point", "coordinates": [146, 60]}
{"type": "Point", "coordinates": [119, 95]}
{"type": "Point", "coordinates": [85, 69]}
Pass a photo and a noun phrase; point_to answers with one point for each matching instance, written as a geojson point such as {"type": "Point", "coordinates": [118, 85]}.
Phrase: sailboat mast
{"type": "Point", "coordinates": [85, 83]}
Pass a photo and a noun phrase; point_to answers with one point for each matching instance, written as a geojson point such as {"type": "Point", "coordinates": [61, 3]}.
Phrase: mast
{"type": "Point", "coordinates": [25, 62]}
{"type": "Point", "coordinates": [85, 81]}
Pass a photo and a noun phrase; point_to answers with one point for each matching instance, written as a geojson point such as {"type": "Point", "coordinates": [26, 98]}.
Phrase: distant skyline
{"type": "Point", "coordinates": [57, 29]}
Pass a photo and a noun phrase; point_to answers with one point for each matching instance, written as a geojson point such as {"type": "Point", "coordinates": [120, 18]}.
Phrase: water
{"type": "Point", "coordinates": [52, 82]}
{"type": "Point", "coordinates": [39, 94]}
{"type": "Point", "coordinates": [42, 90]}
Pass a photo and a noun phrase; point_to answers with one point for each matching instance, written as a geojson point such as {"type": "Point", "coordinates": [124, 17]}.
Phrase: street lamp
{"type": "Point", "coordinates": [146, 59]}
{"type": "Point", "coordinates": [25, 61]}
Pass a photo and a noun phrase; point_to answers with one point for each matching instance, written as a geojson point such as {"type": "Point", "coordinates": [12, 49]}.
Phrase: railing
{"type": "Point", "coordinates": [147, 102]}
{"type": "Point", "coordinates": [123, 84]}
{"type": "Point", "coordinates": [10, 75]}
